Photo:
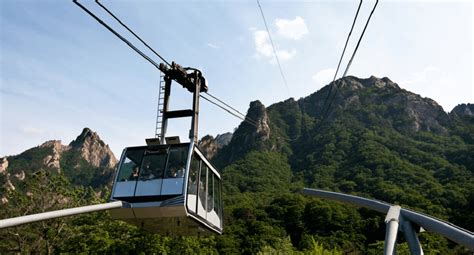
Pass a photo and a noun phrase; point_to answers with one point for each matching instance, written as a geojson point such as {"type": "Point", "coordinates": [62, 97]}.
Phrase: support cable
{"type": "Point", "coordinates": [251, 122]}
{"type": "Point", "coordinates": [325, 109]}
{"type": "Point", "coordinates": [360, 39]}
{"type": "Point", "coordinates": [350, 61]}
{"type": "Point", "coordinates": [131, 31]}
{"type": "Point", "coordinates": [222, 102]}
{"type": "Point", "coordinates": [118, 35]}
{"type": "Point", "coordinates": [273, 46]}
{"type": "Point", "coordinates": [347, 40]}
{"type": "Point", "coordinates": [342, 55]}
{"type": "Point", "coordinates": [11, 222]}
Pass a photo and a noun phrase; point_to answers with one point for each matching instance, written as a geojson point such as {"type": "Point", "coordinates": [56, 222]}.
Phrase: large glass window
{"type": "Point", "coordinates": [151, 174]}
{"type": "Point", "coordinates": [210, 191]}
{"type": "Point", "coordinates": [152, 167]}
{"type": "Point", "coordinates": [218, 202]}
{"type": "Point", "coordinates": [130, 164]}
{"type": "Point", "coordinates": [175, 169]}
{"type": "Point", "coordinates": [192, 183]}
{"type": "Point", "coordinates": [128, 173]}
{"type": "Point", "coordinates": [213, 200]}
{"type": "Point", "coordinates": [176, 162]}
{"type": "Point", "coordinates": [202, 192]}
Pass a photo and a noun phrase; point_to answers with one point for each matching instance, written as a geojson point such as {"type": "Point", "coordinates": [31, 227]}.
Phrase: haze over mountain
{"type": "Point", "coordinates": [376, 140]}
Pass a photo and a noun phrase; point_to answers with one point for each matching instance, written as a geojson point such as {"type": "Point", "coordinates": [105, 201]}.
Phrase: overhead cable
{"type": "Point", "coordinates": [133, 33]}
{"type": "Point", "coordinates": [118, 35]}
{"type": "Point", "coordinates": [273, 46]}
{"type": "Point", "coordinates": [350, 61]}
{"type": "Point", "coordinates": [242, 116]}
{"type": "Point", "coordinates": [227, 110]}
{"type": "Point", "coordinates": [360, 38]}
{"type": "Point", "coordinates": [347, 40]}
{"type": "Point", "coordinates": [342, 56]}
{"type": "Point", "coordinates": [220, 101]}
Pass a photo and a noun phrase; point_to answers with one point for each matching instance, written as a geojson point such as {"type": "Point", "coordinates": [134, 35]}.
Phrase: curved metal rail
{"type": "Point", "coordinates": [405, 216]}
{"type": "Point", "coordinates": [6, 223]}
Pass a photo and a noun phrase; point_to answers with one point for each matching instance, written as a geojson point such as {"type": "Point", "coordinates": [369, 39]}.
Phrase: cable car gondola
{"type": "Point", "coordinates": [170, 187]}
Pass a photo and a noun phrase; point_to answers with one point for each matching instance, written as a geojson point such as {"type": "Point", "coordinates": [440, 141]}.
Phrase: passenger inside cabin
{"type": "Point", "coordinates": [134, 174]}
{"type": "Point", "coordinates": [180, 172]}
{"type": "Point", "coordinates": [147, 172]}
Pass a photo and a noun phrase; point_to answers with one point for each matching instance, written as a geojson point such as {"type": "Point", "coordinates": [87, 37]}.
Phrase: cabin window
{"type": "Point", "coordinates": [129, 168]}
{"type": "Point", "coordinates": [176, 162]}
{"type": "Point", "coordinates": [151, 174]}
{"type": "Point", "coordinates": [210, 192]}
{"type": "Point", "coordinates": [213, 215]}
{"type": "Point", "coordinates": [175, 169]}
{"type": "Point", "coordinates": [193, 183]}
{"type": "Point", "coordinates": [152, 167]}
{"type": "Point", "coordinates": [202, 192]}
{"type": "Point", "coordinates": [128, 173]}
{"type": "Point", "coordinates": [218, 203]}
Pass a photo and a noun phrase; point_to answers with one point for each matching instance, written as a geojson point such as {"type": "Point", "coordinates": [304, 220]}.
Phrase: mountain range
{"type": "Point", "coordinates": [367, 137]}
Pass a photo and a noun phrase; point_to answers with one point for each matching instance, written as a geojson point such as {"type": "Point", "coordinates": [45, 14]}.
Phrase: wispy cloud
{"type": "Point", "coordinates": [323, 77]}
{"type": "Point", "coordinates": [32, 130]}
{"type": "Point", "coordinates": [293, 29]}
{"type": "Point", "coordinates": [214, 46]}
{"type": "Point", "coordinates": [264, 49]}
{"type": "Point", "coordinates": [289, 29]}
{"type": "Point", "coordinates": [423, 76]}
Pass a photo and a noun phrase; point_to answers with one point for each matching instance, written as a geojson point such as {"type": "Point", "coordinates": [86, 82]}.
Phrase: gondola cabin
{"type": "Point", "coordinates": [171, 189]}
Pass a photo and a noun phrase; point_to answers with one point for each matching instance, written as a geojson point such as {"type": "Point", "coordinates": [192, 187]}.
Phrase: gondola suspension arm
{"type": "Point", "coordinates": [6, 223]}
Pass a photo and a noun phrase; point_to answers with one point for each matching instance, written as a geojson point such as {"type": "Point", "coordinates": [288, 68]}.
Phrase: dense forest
{"type": "Point", "coordinates": [375, 140]}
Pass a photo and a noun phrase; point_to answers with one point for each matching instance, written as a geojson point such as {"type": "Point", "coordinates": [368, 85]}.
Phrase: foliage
{"type": "Point", "coordinates": [365, 149]}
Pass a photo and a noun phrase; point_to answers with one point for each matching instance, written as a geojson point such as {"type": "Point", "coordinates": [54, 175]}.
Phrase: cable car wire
{"type": "Point", "coordinates": [347, 40]}
{"type": "Point", "coordinates": [225, 104]}
{"type": "Point", "coordinates": [227, 110]}
{"type": "Point", "coordinates": [130, 30]}
{"type": "Point", "coordinates": [360, 38]}
{"type": "Point", "coordinates": [243, 117]}
{"type": "Point", "coordinates": [353, 54]}
{"type": "Point", "coordinates": [342, 56]}
{"type": "Point", "coordinates": [273, 46]}
{"type": "Point", "coordinates": [117, 34]}
{"type": "Point", "coordinates": [325, 110]}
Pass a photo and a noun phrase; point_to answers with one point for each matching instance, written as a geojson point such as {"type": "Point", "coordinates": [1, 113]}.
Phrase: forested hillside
{"type": "Point", "coordinates": [371, 138]}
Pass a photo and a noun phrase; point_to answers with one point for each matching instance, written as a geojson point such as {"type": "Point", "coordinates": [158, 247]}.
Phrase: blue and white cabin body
{"type": "Point", "coordinates": [169, 189]}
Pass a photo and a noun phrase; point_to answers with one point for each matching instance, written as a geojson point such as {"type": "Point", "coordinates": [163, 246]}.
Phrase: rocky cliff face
{"type": "Point", "coordinates": [248, 136]}
{"type": "Point", "coordinates": [53, 160]}
{"type": "Point", "coordinates": [463, 111]}
{"type": "Point", "coordinates": [404, 110]}
{"type": "Point", "coordinates": [93, 149]}
{"type": "Point", "coordinates": [87, 156]}
{"type": "Point", "coordinates": [210, 145]}
{"type": "Point", "coordinates": [372, 101]}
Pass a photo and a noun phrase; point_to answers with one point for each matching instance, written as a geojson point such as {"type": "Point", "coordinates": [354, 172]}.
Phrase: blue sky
{"type": "Point", "coordinates": [61, 71]}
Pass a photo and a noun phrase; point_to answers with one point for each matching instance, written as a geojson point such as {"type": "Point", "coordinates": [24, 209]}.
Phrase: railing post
{"type": "Point", "coordinates": [391, 222]}
{"type": "Point", "coordinates": [411, 237]}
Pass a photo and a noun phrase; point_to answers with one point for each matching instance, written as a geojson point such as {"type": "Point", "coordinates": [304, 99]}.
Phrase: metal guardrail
{"type": "Point", "coordinates": [6, 223]}
{"type": "Point", "coordinates": [406, 217]}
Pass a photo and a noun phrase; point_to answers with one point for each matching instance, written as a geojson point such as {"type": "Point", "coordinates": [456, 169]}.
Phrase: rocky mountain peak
{"type": "Point", "coordinates": [93, 149]}
{"type": "Point", "coordinates": [210, 145]}
{"type": "Point", "coordinates": [404, 110]}
{"type": "Point", "coordinates": [3, 165]}
{"type": "Point", "coordinates": [258, 113]}
{"type": "Point", "coordinates": [246, 137]}
{"type": "Point", "coordinates": [355, 83]}
{"type": "Point", "coordinates": [53, 160]}
{"type": "Point", "coordinates": [463, 110]}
